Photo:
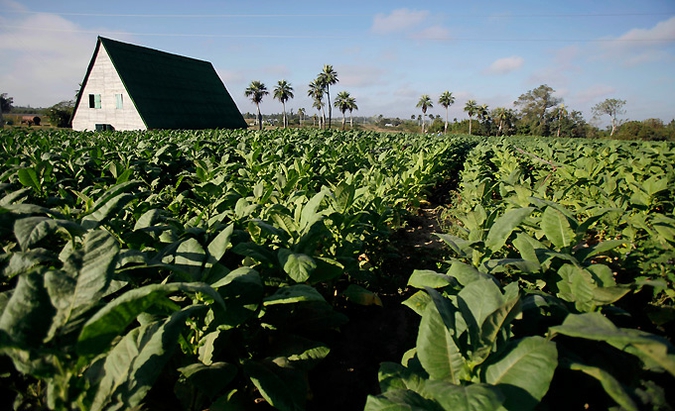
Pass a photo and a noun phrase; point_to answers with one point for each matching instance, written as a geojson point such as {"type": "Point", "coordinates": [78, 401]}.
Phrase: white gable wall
{"type": "Point", "coordinates": [104, 80]}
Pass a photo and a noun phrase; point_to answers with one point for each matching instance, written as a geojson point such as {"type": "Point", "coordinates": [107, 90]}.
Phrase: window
{"type": "Point", "coordinates": [94, 101]}
{"type": "Point", "coordinates": [118, 101]}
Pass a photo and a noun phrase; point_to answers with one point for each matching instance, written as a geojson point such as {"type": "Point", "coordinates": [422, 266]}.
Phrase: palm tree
{"type": "Point", "coordinates": [344, 102]}
{"type": "Point", "coordinates": [256, 91]}
{"type": "Point", "coordinates": [501, 115]}
{"type": "Point", "coordinates": [352, 107]}
{"type": "Point", "coordinates": [282, 92]}
{"type": "Point", "coordinates": [471, 108]}
{"type": "Point", "coordinates": [424, 103]}
{"type": "Point", "coordinates": [446, 100]}
{"type": "Point", "coordinates": [327, 78]}
{"type": "Point", "coordinates": [301, 114]}
{"type": "Point", "coordinates": [315, 91]}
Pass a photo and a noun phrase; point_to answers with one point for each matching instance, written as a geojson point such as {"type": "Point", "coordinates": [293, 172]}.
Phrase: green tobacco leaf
{"type": "Point", "coordinates": [28, 177]}
{"type": "Point", "coordinates": [656, 352]}
{"type": "Point", "coordinates": [23, 262]}
{"type": "Point", "coordinates": [284, 389]}
{"type": "Point", "coordinates": [576, 286]}
{"type": "Point", "coordinates": [418, 302]}
{"type": "Point", "coordinates": [611, 385]}
{"type": "Point", "coordinates": [460, 246]}
{"type": "Point", "coordinates": [310, 214]}
{"type": "Point", "coordinates": [428, 278]}
{"type": "Point", "coordinates": [481, 297]}
{"type": "Point", "coordinates": [242, 290]}
{"type": "Point", "coordinates": [394, 376]}
{"type": "Point", "coordinates": [294, 294]}
{"type": "Point", "coordinates": [220, 244]}
{"type": "Point", "coordinates": [359, 295]}
{"type": "Point", "coordinates": [400, 400]}
{"type": "Point", "coordinates": [584, 254]}
{"type": "Point", "coordinates": [524, 372]}
{"type": "Point", "coordinates": [28, 314]}
{"type": "Point", "coordinates": [503, 227]}
{"type": "Point", "coordinates": [473, 397]}
{"type": "Point", "coordinates": [190, 258]}
{"type": "Point", "coordinates": [437, 350]}
{"type": "Point", "coordinates": [494, 324]}
{"type": "Point", "coordinates": [557, 228]}
{"type": "Point", "coordinates": [326, 269]}
{"type": "Point", "coordinates": [298, 266]}
{"type": "Point", "coordinates": [83, 281]}
{"type": "Point", "coordinates": [133, 365]}
{"type": "Point", "coordinates": [210, 379]}
{"type": "Point", "coordinates": [111, 320]}
{"type": "Point", "coordinates": [31, 230]}
{"type": "Point", "coordinates": [300, 353]}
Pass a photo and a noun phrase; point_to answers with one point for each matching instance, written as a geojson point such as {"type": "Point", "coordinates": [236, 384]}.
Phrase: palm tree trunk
{"type": "Point", "coordinates": [344, 120]}
{"type": "Point", "coordinates": [469, 125]}
{"type": "Point", "coordinates": [445, 129]}
{"type": "Point", "coordinates": [424, 121]}
{"type": "Point", "coordinates": [330, 109]}
{"type": "Point", "coordinates": [285, 119]}
{"type": "Point", "coordinates": [259, 117]}
{"type": "Point", "coordinates": [351, 120]}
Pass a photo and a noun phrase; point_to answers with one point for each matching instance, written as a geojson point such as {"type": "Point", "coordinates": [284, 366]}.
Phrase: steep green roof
{"type": "Point", "coordinates": [172, 91]}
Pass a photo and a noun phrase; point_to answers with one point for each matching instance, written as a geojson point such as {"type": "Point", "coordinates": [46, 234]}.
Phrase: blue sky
{"type": "Point", "coordinates": [386, 54]}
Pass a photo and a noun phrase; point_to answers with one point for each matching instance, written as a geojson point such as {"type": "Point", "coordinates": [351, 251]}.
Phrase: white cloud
{"type": "Point", "coordinates": [398, 20]}
{"type": "Point", "coordinates": [664, 30]}
{"type": "Point", "coordinates": [505, 65]}
{"type": "Point", "coordinates": [48, 57]}
{"type": "Point", "coordinates": [641, 45]}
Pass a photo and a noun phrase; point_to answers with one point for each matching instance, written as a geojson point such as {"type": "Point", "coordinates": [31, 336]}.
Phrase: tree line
{"type": "Point", "coordinates": [318, 89]}
{"type": "Point", "coordinates": [537, 112]}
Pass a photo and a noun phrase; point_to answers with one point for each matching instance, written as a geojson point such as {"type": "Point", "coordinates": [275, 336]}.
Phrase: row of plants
{"type": "Point", "coordinates": [208, 264]}
{"type": "Point", "coordinates": [561, 276]}
{"type": "Point", "coordinates": [215, 264]}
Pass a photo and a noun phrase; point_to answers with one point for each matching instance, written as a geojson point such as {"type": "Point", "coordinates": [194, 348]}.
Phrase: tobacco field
{"type": "Point", "coordinates": [241, 270]}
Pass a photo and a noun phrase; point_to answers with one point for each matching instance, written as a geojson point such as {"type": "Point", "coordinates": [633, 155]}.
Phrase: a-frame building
{"type": "Point", "coordinates": [129, 87]}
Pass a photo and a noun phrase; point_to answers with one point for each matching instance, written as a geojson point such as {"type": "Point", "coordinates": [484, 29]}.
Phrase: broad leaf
{"type": "Point", "coordinates": [29, 231]}
{"type": "Point", "coordinates": [298, 266]}
{"type": "Point", "coordinates": [437, 350]}
{"type": "Point", "coordinates": [83, 281]}
{"type": "Point", "coordinates": [611, 385]}
{"type": "Point", "coordinates": [557, 228]}
{"type": "Point", "coordinates": [428, 278]}
{"type": "Point", "coordinates": [133, 365]}
{"type": "Point", "coordinates": [504, 226]}
{"type": "Point", "coordinates": [400, 400]}
{"type": "Point", "coordinates": [473, 397]}
{"type": "Point", "coordinates": [524, 372]}
{"type": "Point", "coordinates": [294, 294]}
{"type": "Point", "coordinates": [359, 295]}
{"type": "Point", "coordinates": [284, 389]}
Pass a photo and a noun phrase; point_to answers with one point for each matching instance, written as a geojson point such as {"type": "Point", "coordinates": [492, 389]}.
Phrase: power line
{"type": "Point", "coordinates": [313, 36]}
{"type": "Point", "coordinates": [200, 16]}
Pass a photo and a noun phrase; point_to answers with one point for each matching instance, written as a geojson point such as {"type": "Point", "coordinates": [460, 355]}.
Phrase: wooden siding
{"type": "Point", "coordinates": [104, 80]}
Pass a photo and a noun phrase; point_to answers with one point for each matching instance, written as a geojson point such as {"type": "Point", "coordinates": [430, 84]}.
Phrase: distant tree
{"type": "Point", "coordinates": [533, 106]}
{"type": "Point", "coordinates": [60, 114]}
{"type": "Point", "coordinates": [316, 92]}
{"type": "Point", "coordinates": [352, 107]}
{"type": "Point", "coordinates": [256, 91]}
{"type": "Point", "coordinates": [301, 114]}
{"type": "Point", "coordinates": [446, 100]}
{"type": "Point", "coordinates": [283, 92]}
{"type": "Point", "coordinates": [6, 103]}
{"type": "Point", "coordinates": [327, 78]}
{"type": "Point", "coordinates": [471, 108]}
{"type": "Point", "coordinates": [612, 107]}
{"type": "Point", "coordinates": [343, 102]}
{"type": "Point", "coordinates": [424, 103]}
